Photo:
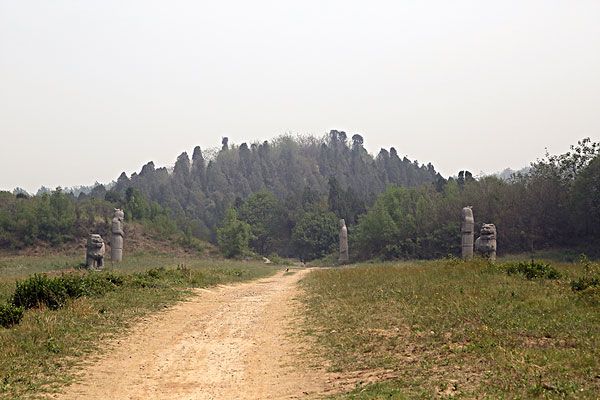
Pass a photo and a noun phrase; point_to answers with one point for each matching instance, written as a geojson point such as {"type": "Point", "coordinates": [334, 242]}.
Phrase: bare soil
{"type": "Point", "coordinates": [229, 342]}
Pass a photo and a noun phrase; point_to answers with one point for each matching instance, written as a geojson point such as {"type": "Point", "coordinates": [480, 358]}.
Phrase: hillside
{"type": "Point", "coordinates": [200, 190]}
{"type": "Point", "coordinates": [288, 195]}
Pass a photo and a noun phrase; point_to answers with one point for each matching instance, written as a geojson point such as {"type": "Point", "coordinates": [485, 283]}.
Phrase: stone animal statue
{"type": "Point", "coordinates": [344, 257]}
{"type": "Point", "coordinates": [94, 256]}
{"type": "Point", "coordinates": [116, 241]}
{"type": "Point", "coordinates": [486, 242]}
{"type": "Point", "coordinates": [467, 232]}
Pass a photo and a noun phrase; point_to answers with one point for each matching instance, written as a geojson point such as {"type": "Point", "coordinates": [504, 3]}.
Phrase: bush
{"type": "Point", "coordinates": [10, 315]}
{"type": "Point", "coordinates": [591, 295]}
{"type": "Point", "coordinates": [591, 277]}
{"type": "Point", "coordinates": [54, 292]}
{"type": "Point", "coordinates": [533, 269]}
{"type": "Point", "coordinates": [40, 289]}
{"type": "Point", "coordinates": [90, 284]}
{"type": "Point", "coordinates": [585, 282]}
{"type": "Point", "coordinates": [192, 243]}
{"type": "Point", "coordinates": [277, 260]}
{"type": "Point", "coordinates": [158, 277]}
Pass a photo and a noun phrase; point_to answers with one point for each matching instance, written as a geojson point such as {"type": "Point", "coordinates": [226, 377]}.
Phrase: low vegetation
{"type": "Point", "coordinates": [532, 270]}
{"type": "Point", "coordinates": [459, 329]}
{"type": "Point", "coordinates": [60, 313]}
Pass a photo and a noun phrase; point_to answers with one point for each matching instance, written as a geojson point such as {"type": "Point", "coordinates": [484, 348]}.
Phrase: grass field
{"type": "Point", "coordinates": [38, 354]}
{"type": "Point", "coordinates": [457, 329]}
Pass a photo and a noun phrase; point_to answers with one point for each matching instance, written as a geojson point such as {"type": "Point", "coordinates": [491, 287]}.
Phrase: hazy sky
{"type": "Point", "coordinates": [92, 88]}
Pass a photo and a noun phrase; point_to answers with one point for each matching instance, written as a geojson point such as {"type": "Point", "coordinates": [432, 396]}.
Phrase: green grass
{"type": "Point", "coordinates": [448, 328]}
{"type": "Point", "coordinates": [39, 354]}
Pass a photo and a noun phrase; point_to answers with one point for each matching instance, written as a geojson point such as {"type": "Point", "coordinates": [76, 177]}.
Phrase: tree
{"type": "Point", "coordinates": [198, 168]}
{"type": "Point", "coordinates": [357, 141]}
{"type": "Point", "coordinates": [136, 206]}
{"type": "Point", "coordinates": [571, 163]}
{"type": "Point", "coordinates": [586, 198]}
{"type": "Point", "coordinates": [264, 213]}
{"type": "Point", "coordinates": [182, 168]}
{"type": "Point", "coordinates": [55, 215]}
{"type": "Point", "coordinates": [234, 236]}
{"type": "Point", "coordinates": [403, 224]}
{"type": "Point", "coordinates": [315, 234]}
{"type": "Point", "coordinates": [336, 200]}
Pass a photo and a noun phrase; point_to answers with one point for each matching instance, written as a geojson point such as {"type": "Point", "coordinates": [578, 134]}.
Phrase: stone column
{"type": "Point", "coordinates": [344, 258]}
{"type": "Point", "coordinates": [116, 241]}
{"type": "Point", "coordinates": [467, 230]}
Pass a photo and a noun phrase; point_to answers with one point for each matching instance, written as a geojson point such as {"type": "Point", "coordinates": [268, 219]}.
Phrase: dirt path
{"type": "Point", "coordinates": [229, 342]}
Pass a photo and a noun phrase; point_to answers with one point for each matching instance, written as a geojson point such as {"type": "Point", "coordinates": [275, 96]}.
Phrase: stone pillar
{"type": "Point", "coordinates": [116, 241]}
{"type": "Point", "coordinates": [486, 242]}
{"type": "Point", "coordinates": [344, 258]}
{"type": "Point", "coordinates": [467, 230]}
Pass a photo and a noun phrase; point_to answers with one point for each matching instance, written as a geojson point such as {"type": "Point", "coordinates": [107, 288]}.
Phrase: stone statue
{"type": "Point", "coordinates": [486, 242]}
{"type": "Point", "coordinates": [343, 243]}
{"type": "Point", "coordinates": [467, 231]}
{"type": "Point", "coordinates": [116, 242]}
{"type": "Point", "coordinates": [94, 256]}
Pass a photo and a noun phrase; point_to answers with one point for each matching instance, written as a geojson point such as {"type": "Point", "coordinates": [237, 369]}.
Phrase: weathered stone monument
{"type": "Point", "coordinates": [94, 255]}
{"type": "Point", "coordinates": [467, 231]}
{"type": "Point", "coordinates": [486, 242]}
{"type": "Point", "coordinates": [344, 257]}
{"type": "Point", "coordinates": [116, 241]}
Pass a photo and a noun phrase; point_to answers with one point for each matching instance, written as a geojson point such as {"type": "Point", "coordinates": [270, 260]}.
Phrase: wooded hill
{"type": "Point", "coordinates": [285, 196]}
{"type": "Point", "coordinates": [198, 191]}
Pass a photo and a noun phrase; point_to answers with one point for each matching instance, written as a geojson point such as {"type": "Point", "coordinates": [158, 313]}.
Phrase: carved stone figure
{"type": "Point", "coordinates": [94, 256]}
{"type": "Point", "coordinates": [116, 241]}
{"type": "Point", "coordinates": [344, 257]}
{"type": "Point", "coordinates": [486, 242]}
{"type": "Point", "coordinates": [467, 231]}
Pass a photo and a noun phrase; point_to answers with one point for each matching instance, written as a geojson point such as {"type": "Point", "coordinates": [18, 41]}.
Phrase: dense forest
{"type": "Point", "coordinates": [285, 197]}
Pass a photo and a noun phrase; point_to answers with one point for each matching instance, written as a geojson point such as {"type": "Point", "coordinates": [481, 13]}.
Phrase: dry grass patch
{"type": "Point", "coordinates": [454, 329]}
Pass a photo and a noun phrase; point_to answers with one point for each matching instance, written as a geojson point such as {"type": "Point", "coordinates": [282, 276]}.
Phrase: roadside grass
{"type": "Point", "coordinates": [456, 329]}
{"type": "Point", "coordinates": [41, 353]}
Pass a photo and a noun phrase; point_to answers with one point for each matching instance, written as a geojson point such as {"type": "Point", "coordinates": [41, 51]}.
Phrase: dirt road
{"type": "Point", "coordinates": [229, 342]}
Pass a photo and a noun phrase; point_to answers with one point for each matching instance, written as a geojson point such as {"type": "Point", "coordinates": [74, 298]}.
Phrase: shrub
{"type": "Point", "coordinates": [591, 277]}
{"type": "Point", "coordinates": [192, 243]}
{"type": "Point", "coordinates": [90, 284]}
{"type": "Point", "coordinates": [533, 269]}
{"type": "Point", "coordinates": [584, 282]}
{"type": "Point", "coordinates": [156, 273]}
{"type": "Point", "coordinates": [157, 277]}
{"type": "Point", "coordinates": [40, 289]}
{"type": "Point", "coordinates": [55, 291]}
{"type": "Point", "coordinates": [10, 315]}
{"type": "Point", "coordinates": [591, 295]}
{"type": "Point", "coordinates": [277, 260]}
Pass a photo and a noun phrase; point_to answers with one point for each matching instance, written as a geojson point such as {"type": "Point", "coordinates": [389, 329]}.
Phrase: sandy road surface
{"type": "Point", "coordinates": [229, 342]}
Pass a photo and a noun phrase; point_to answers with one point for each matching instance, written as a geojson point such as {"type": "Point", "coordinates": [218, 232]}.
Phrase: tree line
{"type": "Point", "coordinates": [286, 196]}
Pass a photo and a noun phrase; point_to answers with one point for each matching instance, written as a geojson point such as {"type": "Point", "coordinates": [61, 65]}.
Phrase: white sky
{"type": "Point", "coordinates": [92, 88]}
